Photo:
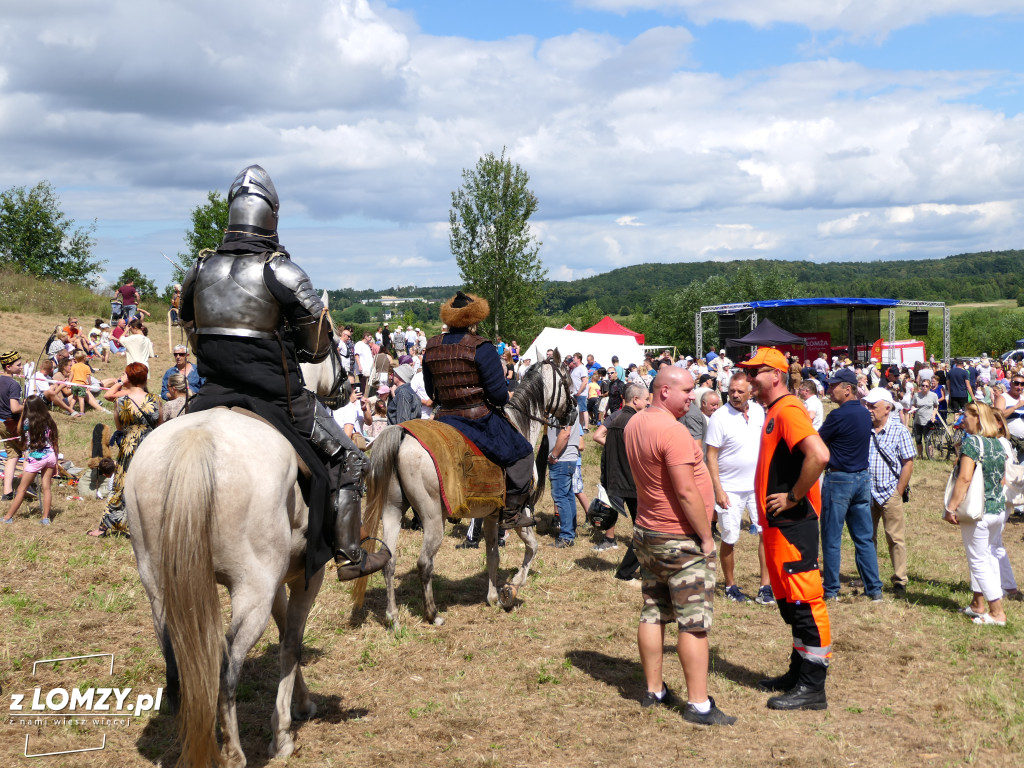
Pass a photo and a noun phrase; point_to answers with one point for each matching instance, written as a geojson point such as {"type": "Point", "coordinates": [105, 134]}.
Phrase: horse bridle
{"type": "Point", "coordinates": [571, 412]}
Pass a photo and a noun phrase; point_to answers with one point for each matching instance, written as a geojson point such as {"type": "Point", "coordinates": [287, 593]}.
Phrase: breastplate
{"type": "Point", "coordinates": [231, 298]}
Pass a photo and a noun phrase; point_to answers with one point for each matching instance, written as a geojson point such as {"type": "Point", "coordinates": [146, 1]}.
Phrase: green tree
{"type": "Point", "coordinates": [360, 314]}
{"type": "Point", "coordinates": [209, 221]}
{"type": "Point", "coordinates": [145, 286]}
{"type": "Point", "coordinates": [583, 315]}
{"type": "Point", "coordinates": [37, 237]}
{"type": "Point", "coordinates": [673, 313]}
{"type": "Point", "coordinates": [491, 239]}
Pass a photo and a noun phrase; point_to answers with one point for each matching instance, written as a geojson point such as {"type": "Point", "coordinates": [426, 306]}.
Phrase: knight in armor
{"type": "Point", "coordinates": [253, 316]}
{"type": "Point", "coordinates": [462, 373]}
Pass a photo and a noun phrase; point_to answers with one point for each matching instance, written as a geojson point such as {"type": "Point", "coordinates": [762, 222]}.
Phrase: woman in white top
{"type": "Point", "coordinates": [137, 346]}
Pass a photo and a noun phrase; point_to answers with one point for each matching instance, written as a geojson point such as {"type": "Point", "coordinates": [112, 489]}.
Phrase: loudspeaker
{"type": "Point", "coordinates": [728, 328]}
{"type": "Point", "coordinates": [918, 322]}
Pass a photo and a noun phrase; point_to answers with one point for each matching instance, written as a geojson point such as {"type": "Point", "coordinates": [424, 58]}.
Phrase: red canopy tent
{"type": "Point", "coordinates": [609, 326]}
{"type": "Point", "coordinates": [568, 327]}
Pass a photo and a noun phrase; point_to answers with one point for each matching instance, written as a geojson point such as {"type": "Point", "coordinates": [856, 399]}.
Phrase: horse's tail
{"type": "Point", "coordinates": [383, 463]}
{"type": "Point", "coordinates": [191, 602]}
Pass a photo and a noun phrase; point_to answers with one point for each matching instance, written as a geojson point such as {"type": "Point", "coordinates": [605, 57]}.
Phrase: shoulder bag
{"type": "Point", "coordinates": [1014, 477]}
{"type": "Point", "coordinates": [973, 505]}
{"type": "Point", "coordinates": [891, 465]}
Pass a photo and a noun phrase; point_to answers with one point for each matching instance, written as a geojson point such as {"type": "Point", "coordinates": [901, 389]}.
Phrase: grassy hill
{"type": "Point", "coordinates": [968, 277]}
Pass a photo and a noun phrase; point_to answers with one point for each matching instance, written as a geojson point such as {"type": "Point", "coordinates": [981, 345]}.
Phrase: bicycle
{"type": "Point", "coordinates": [942, 440]}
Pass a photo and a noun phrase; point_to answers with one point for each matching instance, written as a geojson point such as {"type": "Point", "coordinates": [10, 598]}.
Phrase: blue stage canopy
{"type": "Point", "coordinates": [823, 302]}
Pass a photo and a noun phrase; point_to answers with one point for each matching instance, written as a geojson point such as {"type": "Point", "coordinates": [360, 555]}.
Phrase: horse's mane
{"type": "Point", "coordinates": [527, 397]}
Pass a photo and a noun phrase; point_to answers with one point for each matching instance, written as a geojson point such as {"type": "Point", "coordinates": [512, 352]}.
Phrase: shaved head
{"type": "Point", "coordinates": [673, 390]}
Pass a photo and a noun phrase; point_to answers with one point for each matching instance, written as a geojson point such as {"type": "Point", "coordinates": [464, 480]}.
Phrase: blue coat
{"type": "Point", "coordinates": [496, 438]}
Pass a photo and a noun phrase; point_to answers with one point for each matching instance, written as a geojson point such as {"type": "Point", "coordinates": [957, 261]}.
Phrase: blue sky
{"type": "Point", "coordinates": [652, 130]}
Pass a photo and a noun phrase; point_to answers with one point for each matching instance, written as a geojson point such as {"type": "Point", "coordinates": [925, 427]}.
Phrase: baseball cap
{"type": "Point", "coordinates": [383, 389]}
{"type": "Point", "coordinates": [843, 376]}
{"type": "Point", "coordinates": [879, 395]}
{"type": "Point", "coordinates": [767, 356]}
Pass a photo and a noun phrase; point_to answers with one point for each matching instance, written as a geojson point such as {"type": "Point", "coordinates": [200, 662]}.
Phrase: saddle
{"type": "Point", "coordinates": [466, 477]}
{"type": "Point", "coordinates": [304, 470]}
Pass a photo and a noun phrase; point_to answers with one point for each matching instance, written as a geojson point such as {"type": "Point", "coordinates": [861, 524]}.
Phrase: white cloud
{"type": "Point", "coordinates": [858, 16]}
{"type": "Point", "coordinates": [135, 109]}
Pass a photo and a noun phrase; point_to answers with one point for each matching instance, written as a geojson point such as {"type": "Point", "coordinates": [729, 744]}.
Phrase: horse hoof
{"type": "Point", "coordinates": [507, 597]}
{"type": "Point", "coordinates": [282, 749]}
{"type": "Point", "coordinates": [438, 621]}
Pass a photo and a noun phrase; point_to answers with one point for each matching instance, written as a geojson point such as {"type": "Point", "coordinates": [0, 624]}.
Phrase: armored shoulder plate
{"type": "Point", "coordinates": [292, 277]}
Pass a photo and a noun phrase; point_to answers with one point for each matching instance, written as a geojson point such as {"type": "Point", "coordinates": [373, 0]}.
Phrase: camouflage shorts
{"type": "Point", "coordinates": [678, 580]}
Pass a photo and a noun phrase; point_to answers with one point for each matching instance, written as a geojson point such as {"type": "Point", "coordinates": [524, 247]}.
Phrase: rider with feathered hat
{"type": "Point", "coordinates": [462, 373]}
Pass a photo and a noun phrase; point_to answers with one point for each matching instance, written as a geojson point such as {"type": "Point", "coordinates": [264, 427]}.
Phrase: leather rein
{"type": "Point", "coordinates": [571, 413]}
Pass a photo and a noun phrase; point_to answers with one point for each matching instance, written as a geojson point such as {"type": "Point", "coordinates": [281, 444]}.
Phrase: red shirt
{"type": "Point", "coordinates": [655, 441]}
{"type": "Point", "coordinates": [129, 295]}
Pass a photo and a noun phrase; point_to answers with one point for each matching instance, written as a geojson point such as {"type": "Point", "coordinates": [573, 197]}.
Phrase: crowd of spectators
{"type": "Point", "coordinates": [877, 415]}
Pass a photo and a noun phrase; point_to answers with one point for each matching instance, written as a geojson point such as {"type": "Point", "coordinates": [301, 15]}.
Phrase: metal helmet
{"type": "Point", "coordinates": [253, 203]}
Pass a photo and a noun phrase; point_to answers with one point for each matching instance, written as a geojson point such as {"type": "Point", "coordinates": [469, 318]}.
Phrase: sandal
{"type": "Point", "coordinates": [986, 618]}
{"type": "Point", "coordinates": [98, 533]}
{"type": "Point", "coordinates": [971, 613]}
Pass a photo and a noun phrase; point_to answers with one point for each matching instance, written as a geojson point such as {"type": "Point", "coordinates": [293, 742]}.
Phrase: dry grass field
{"type": "Point", "coordinates": [557, 682]}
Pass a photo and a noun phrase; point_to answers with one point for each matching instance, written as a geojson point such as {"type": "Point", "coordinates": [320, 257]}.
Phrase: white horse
{"type": "Point", "coordinates": [402, 474]}
{"type": "Point", "coordinates": [204, 510]}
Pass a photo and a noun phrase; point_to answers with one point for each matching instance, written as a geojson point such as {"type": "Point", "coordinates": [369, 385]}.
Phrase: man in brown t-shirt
{"type": "Point", "coordinates": [672, 540]}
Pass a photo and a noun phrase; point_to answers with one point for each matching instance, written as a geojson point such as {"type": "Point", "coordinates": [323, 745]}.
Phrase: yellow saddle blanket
{"type": "Point", "coordinates": [465, 475]}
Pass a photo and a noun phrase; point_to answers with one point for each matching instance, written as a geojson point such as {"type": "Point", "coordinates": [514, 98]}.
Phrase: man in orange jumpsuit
{"type": "Point", "coordinates": [791, 459]}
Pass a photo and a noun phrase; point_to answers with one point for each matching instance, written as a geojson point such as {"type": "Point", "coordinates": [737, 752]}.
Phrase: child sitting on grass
{"type": "Point", "coordinates": [40, 452]}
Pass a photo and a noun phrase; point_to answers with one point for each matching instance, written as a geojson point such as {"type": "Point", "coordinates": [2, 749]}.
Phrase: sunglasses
{"type": "Point", "coordinates": [181, 354]}
{"type": "Point", "coordinates": [1017, 383]}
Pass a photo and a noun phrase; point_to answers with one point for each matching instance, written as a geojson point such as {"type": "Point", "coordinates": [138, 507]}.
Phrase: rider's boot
{"type": "Point", "coordinates": [346, 466]}
{"type": "Point", "coordinates": [352, 560]}
{"type": "Point", "coordinates": [517, 512]}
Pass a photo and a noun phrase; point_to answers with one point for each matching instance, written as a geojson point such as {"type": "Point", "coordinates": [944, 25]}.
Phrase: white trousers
{"type": "Point", "coordinates": [990, 567]}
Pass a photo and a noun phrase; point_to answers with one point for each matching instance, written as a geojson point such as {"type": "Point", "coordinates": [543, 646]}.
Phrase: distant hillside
{"type": "Point", "coordinates": [955, 279]}
{"type": "Point", "coordinates": [987, 276]}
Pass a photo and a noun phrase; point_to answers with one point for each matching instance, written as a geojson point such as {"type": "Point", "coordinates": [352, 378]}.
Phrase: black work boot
{"type": "Point", "coordinates": [808, 693]}
{"type": "Point", "coordinates": [783, 682]}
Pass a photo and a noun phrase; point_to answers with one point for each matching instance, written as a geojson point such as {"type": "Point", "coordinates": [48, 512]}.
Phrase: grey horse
{"type": "Point", "coordinates": [402, 475]}
{"type": "Point", "coordinates": [204, 508]}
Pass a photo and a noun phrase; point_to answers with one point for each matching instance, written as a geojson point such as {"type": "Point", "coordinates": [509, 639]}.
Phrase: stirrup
{"type": "Point", "coordinates": [521, 517]}
{"type": "Point", "coordinates": [369, 562]}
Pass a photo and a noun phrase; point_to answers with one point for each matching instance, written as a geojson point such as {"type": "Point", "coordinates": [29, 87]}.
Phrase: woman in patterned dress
{"type": "Point", "coordinates": [136, 414]}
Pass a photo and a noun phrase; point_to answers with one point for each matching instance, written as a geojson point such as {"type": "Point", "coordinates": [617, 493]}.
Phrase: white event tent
{"type": "Point", "coordinates": [601, 345]}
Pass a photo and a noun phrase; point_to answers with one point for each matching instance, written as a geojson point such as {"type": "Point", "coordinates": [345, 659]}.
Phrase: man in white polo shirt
{"type": "Point", "coordinates": [732, 442]}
